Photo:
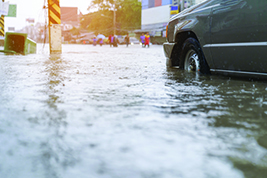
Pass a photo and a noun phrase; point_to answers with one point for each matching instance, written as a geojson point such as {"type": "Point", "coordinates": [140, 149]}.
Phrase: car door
{"type": "Point", "coordinates": [239, 36]}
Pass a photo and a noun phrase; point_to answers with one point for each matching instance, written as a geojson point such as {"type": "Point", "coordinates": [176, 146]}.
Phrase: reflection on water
{"type": "Point", "coordinates": [235, 108]}
{"type": "Point", "coordinates": [54, 67]}
{"type": "Point", "coordinates": [118, 112]}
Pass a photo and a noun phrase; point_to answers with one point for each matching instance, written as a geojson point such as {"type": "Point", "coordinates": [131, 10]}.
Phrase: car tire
{"type": "Point", "coordinates": [192, 57]}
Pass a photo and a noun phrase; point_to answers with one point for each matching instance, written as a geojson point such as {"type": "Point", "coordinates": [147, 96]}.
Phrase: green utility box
{"type": "Point", "coordinates": [2, 41]}
{"type": "Point", "coordinates": [19, 43]}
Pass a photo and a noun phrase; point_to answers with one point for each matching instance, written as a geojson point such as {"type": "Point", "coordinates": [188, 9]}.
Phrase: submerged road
{"type": "Point", "coordinates": [101, 112]}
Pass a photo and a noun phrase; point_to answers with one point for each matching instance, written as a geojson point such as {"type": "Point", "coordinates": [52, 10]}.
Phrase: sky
{"type": "Point", "coordinates": [33, 9]}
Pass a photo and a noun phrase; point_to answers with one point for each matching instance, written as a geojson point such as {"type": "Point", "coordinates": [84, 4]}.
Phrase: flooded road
{"type": "Point", "coordinates": [101, 112]}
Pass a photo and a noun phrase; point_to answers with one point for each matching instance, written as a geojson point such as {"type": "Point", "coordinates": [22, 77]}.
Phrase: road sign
{"type": "Point", "coordinates": [175, 2]}
{"type": "Point", "coordinates": [174, 10]}
{"type": "Point", "coordinates": [4, 6]}
{"type": "Point", "coordinates": [11, 29]}
{"type": "Point", "coordinates": [12, 12]}
{"type": "Point", "coordinates": [30, 20]}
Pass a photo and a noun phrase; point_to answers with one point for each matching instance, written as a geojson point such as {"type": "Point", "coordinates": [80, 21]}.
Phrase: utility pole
{"type": "Point", "coordinates": [54, 27]}
{"type": "Point", "coordinates": [2, 24]}
{"type": "Point", "coordinates": [114, 18]}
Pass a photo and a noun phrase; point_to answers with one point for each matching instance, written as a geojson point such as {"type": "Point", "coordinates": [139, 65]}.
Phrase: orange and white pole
{"type": "Point", "coordinates": [54, 27]}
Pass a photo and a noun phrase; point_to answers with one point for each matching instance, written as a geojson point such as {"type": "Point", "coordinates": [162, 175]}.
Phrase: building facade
{"type": "Point", "coordinates": [157, 13]}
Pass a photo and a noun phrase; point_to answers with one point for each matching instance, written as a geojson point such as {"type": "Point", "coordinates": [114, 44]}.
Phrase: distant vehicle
{"type": "Point", "coordinates": [121, 39]}
{"type": "Point", "coordinates": [220, 36]}
{"type": "Point", "coordinates": [133, 40]}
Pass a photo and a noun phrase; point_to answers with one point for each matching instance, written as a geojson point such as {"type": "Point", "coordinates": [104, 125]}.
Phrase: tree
{"type": "Point", "coordinates": [128, 16]}
{"type": "Point", "coordinates": [75, 31]}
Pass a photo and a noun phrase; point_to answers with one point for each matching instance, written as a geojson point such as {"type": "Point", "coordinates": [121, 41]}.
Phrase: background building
{"type": "Point", "coordinates": [157, 13]}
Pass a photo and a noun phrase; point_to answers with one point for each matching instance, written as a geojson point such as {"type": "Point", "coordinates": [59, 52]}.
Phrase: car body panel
{"type": "Point", "coordinates": [232, 34]}
{"type": "Point", "coordinates": [237, 31]}
{"type": "Point", "coordinates": [167, 48]}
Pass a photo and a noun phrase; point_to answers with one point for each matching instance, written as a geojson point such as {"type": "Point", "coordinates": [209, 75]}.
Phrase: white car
{"type": "Point", "coordinates": [133, 40]}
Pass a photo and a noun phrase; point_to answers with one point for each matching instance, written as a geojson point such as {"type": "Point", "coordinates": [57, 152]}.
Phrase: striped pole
{"type": "Point", "coordinates": [2, 24]}
{"type": "Point", "coordinates": [54, 26]}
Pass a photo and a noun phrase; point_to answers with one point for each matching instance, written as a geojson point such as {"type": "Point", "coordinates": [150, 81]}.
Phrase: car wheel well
{"type": "Point", "coordinates": [180, 39]}
{"type": "Point", "coordinates": [192, 57]}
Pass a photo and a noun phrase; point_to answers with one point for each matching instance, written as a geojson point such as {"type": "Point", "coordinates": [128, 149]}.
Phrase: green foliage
{"type": "Point", "coordinates": [128, 16]}
{"type": "Point", "coordinates": [75, 31]}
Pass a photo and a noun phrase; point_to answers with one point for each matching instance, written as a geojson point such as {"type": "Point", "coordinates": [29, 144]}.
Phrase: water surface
{"type": "Point", "coordinates": [101, 112]}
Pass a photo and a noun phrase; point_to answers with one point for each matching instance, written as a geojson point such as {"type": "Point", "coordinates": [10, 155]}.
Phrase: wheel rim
{"type": "Point", "coordinates": [191, 61]}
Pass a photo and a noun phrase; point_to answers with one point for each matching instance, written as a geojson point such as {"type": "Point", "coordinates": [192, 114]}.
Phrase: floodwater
{"type": "Point", "coordinates": [101, 112]}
